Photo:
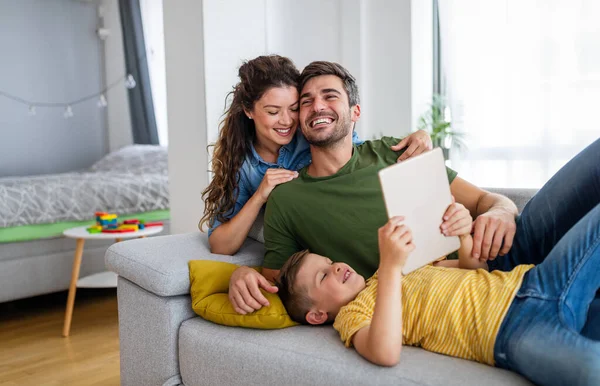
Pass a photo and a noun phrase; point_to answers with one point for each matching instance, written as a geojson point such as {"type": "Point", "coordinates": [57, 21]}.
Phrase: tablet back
{"type": "Point", "coordinates": [418, 189]}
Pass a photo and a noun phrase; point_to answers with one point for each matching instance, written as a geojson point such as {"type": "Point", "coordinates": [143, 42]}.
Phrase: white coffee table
{"type": "Point", "coordinates": [99, 280]}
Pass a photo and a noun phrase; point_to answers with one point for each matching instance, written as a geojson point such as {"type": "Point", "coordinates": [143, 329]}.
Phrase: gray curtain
{"type": "Point", "coordinates": [143, 120]}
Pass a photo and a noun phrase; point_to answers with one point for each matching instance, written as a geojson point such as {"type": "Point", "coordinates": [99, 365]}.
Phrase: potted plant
{"type": "Point", "coordinates": [437, 121]}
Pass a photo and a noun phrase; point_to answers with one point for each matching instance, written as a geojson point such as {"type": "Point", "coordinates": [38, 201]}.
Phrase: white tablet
{"type": "Point", "coordinates": [418, 189]}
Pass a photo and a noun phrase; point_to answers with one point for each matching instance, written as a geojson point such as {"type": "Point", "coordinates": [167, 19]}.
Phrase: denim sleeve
{"type": "Point", "coordinates": [355, 139]}
{"type": "Point", "coordinates": [243, 195]}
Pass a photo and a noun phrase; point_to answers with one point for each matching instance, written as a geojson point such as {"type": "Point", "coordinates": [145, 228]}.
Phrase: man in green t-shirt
{"type": "Point", "coordinates": [335, 216]}
{"type": "Point", "coordinates": [335, 206]}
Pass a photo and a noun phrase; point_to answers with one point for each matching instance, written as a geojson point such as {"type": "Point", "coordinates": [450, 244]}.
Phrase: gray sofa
{"type": "Point", "coordinates": [163, 342]}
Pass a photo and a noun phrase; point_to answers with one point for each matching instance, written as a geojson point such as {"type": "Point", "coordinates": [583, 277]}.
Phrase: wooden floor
{"type": "Point", "coordinates": [34, 352]}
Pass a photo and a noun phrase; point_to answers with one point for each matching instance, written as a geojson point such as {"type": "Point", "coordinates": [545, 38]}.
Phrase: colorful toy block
{"type": "Point", "coordinates": [118, 230]}
{"type": "Point", "coordinates": [109, 223]}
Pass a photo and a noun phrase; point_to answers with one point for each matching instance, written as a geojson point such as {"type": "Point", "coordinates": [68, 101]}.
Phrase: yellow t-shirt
{"type": "Point", "coordinates": [450, 311]}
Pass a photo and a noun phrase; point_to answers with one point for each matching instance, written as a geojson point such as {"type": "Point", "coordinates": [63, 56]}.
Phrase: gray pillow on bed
{"type": "Point", "coordinates": [138, 159]}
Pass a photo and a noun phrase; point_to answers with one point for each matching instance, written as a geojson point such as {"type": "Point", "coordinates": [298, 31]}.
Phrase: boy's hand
{"type": "Point", "coordinates": [395, 242]}
{"type": "Point", "coordinates": [457, 220]}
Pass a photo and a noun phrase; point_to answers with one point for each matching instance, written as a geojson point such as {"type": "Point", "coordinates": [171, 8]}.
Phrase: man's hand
{"type": "Point", "coordinates": [457, 220]}
{"type": "Point", "coordinates": [395, 242]}
{"type": "Point", "coordinates": [244, 290]}
{"type": "Point", "coordinates": [418, 142]}
{"type": "Point", "coordinates": [493, 230]}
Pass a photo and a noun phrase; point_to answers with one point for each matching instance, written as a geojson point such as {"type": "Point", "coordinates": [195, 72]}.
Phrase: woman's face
{"type": "Point", "coordinates": [275, 116]}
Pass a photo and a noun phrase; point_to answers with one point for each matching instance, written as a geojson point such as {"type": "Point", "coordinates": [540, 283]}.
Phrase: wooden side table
{"type": "Point", "coordinates": [99, 280]}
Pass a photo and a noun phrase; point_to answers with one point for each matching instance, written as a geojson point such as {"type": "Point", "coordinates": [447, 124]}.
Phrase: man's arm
{"type": "Point", "coordinates": [244, 290]}
{"type": "Point", "coordinates": [245, 283]}
{"type": "Point", "coordinates": [494, 227]}
{"type": "Point", "coordinates": [465, 260]}
{"type": "Point", "coordinates": [270, 274]}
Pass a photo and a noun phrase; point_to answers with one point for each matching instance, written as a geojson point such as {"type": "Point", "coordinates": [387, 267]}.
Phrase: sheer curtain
{"type": "Point", "coordinates": [152, 20]}
{"type": "Point", "coordinates": [522, 78]}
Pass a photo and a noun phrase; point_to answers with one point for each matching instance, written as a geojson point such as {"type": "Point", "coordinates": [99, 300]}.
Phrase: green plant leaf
{"type": "Point", "coordinates": [432, 120]}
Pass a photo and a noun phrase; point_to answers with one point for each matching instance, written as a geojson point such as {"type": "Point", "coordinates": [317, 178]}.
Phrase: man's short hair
{"type": "Point", "coordinates": [295, 299]}
{"type": "Point", "coordinates": [319, 68]}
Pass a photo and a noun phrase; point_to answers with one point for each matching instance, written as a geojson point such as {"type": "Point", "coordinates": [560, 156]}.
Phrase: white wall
{"type": "Point", "coordinates": [118, 118]}
{"type": "Point", "coordinates": [226, 46]}
{"type": "Point", "coordinates": [397, 67]}
{"type": "Point", "coordinates": [384, 43]}
{"type": "Point", "coordinates": [186, 103]}
{"type": "Point", "coordinates": [421, 54]}
{"type": "Point", "coordinates": [288, 34]}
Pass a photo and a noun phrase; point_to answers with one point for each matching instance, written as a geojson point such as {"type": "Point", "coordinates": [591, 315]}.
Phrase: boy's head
{"type": "Point", "coordinates": [313, 288]}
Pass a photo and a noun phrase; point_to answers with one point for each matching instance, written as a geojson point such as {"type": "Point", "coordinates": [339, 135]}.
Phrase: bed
{"type": "Point", "coordinates": [34, 211]}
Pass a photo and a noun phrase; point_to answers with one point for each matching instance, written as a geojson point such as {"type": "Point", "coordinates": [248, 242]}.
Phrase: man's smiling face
{"type": "Point", "coordinates": [325, 114]}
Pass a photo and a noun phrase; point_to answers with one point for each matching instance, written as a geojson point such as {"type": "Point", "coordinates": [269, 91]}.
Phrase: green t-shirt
{"type": "Point", "coordinates": [336, 216]}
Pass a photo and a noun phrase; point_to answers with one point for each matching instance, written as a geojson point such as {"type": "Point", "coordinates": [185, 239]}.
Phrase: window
{"type": "Point", "coordinates": [522, 79]}
{"type": "Point", "coordinates": [152, 20]}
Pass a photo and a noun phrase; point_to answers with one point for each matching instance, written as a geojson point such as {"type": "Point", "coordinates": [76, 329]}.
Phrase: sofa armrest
{"type": "Point", "coordinates": [160, 264]}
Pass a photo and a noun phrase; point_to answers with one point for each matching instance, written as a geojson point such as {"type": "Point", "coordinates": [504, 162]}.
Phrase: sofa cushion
{"type": "Point", "coordinates": [210, 354]}
{"type": "Point", "coordinates": [160, 264]}
{"type": "Point", "coordinates": [209, 289]}
{"type": "Point", "coordinates": [257, 230]}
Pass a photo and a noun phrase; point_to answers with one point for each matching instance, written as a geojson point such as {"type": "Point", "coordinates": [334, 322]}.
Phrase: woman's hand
{"type": "Point", "coordinates": [272, 178]}
{"type": "Point", "coordinates": [457, 220]}
{"type": "Point", "coordinates": [418, 142]}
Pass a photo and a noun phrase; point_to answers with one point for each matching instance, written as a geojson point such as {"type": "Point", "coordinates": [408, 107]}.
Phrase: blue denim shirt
{"type": "Point", "coordinates": [293, 156]}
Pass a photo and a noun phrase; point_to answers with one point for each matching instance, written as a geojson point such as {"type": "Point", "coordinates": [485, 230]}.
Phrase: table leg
{"type": "Point", "coordinates": [73, 286]}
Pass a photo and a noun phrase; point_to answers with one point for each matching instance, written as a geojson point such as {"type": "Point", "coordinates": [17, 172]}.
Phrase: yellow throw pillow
{"type": "Point", "coordinates": [209, 286]}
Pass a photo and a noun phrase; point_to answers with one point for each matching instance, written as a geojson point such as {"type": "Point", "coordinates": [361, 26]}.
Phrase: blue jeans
{"type": "Point", "coordinates": [540, 334]}
{"type": "Point", "coordinates": [565, 199]}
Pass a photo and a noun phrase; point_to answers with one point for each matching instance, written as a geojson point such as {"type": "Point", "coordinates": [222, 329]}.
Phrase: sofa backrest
{"type": "Point", "coordinates": [519, 196]}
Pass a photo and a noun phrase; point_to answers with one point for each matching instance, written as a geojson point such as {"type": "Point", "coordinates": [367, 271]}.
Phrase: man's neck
{"type": "Point", "coordinates": [326, 161]}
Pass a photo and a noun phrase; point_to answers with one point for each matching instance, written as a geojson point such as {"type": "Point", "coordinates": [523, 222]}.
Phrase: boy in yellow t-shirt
{"type": "Point", "coordinates": [527, 320]}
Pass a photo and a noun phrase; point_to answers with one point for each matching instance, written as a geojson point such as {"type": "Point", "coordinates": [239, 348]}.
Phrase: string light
{"type": "Point", "coordinates": [127, 80]}
{"type": "Point", "coordinates": [102, 101]}
{"type": "Point", "coordinates": [130, 82]}
{"type": "Point", "coordinates": [68, 112]}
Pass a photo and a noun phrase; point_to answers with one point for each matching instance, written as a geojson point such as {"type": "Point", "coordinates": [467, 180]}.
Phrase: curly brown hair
{"type": "Point", "coordinates": [237, 131]}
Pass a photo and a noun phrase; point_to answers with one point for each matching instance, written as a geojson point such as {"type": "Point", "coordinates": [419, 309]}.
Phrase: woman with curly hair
{"type": "Point", "coordinates": [260, 147]}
